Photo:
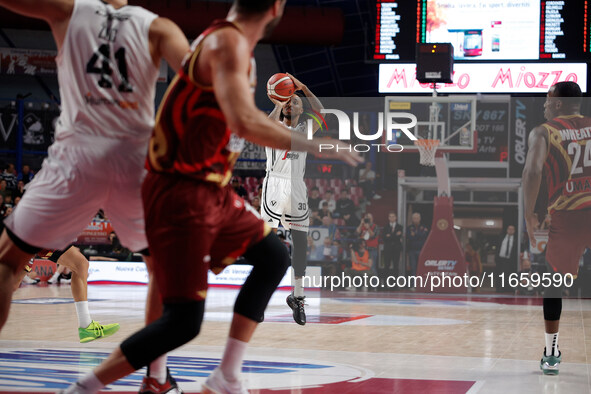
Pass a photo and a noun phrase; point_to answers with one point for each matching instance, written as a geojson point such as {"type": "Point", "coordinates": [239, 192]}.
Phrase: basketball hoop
{"type": "Point", "coordinates": [427, 149]}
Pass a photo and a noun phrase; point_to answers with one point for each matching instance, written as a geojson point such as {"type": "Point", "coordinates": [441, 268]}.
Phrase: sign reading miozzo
{"type": "Point", "coordinates": [373, 140]}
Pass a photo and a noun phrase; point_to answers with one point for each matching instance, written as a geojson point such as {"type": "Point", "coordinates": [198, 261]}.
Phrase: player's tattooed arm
{"type": "Point", "coordinates": [274, 115]}
{"type": "Point", "coordinates": [312, 99]}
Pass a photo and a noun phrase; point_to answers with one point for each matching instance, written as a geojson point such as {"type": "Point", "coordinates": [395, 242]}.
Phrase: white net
{"type": "Point", "coordinates": [427, 149]}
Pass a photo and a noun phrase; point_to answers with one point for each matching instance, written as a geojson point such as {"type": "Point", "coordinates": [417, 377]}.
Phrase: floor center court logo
{"type": "Point", "coordinates": [49, 370]}
{"type": "Point", "coordinates": [387, 124]}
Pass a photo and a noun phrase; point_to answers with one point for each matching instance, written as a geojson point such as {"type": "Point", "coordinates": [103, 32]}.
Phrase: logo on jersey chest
{"type": "Point", "coordinates": [235, 144]}
{"type": "Point", "coordinates": [289, 155]}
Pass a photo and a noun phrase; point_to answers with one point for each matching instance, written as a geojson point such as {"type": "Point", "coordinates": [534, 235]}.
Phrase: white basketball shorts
{"type": "Point", "coordinates": [286, 201]}
{"type": "Point", "coordinates": [74, 183]}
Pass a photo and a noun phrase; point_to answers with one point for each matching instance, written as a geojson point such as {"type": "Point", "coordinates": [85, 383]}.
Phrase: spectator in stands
{"type": "Point", "coordinates": [344, 205]}
{"type": "Point", "coordinates": [349, 226]}
{"type": "Point", "coordinates": [20, 189]}
{"type": "Point", "coordinates": [16, 201]}
{"type": "Point", "coordinates": [238, 188]}
{"type": "Point", "coordinates": [256, 203]}
{"type": "Point", "coordinates": [366, 182]}
{"type": "Point", "coordinates": [315, 219]}
{"type": "Point", "coordinates": [328, 251]}
{"type": "Point", "coordinates": [392, 237]}
{"type": "Point", "coordinates": [100, 215]}
{"type": "Point", "coordinates": [416, 235]}
{"type": "Point", "coordinates": [361, 262]}
{"type": "Point", "coordinates": [8, 211]}
{"type": "Point", "coordinates": [3, 190]}
{"type": "Point", "coordinates": [328, 198]}
{"type": "Point", "coordinates": [9, 175]}
{"type": "Point", "coordinates": [2, 207]}
{"type": "Point", "coordinates": [351, 220]}
{"type": "Point", "coordinates": [260, 192]}
{"type": "Point", "coordinates": [368, 232]}
{"type": "Point", "coordinates": [314, 199]}
{"type": "Point", "coordinates": [26, 174]}
{"type": "Point", "coordinates": [8, 201]}
{"type": "Point", "coordinates": [324, 210]}
{"type": "Point", "coordinates": [327, 223]}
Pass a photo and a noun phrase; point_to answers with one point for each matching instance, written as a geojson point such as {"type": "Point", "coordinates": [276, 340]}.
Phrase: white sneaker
{"type": "Point", "coordinates": [30, 281]}
{"type": "Point", "coordinates": [376, 196]}
{"type": "Point", "coordinates": [53, 279]}
{"type": "Point", "coordinates": [217, 384]}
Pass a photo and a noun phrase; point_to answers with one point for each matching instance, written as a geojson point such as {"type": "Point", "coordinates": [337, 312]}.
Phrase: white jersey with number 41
{"type": "Point", "coordinates": [106, 74]}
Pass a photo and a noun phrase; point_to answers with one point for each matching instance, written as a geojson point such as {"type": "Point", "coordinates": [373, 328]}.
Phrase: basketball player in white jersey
{"type": "Point", "coordinates": [285, 198]}
{"type": "Point", "coordinates": [108, 63]}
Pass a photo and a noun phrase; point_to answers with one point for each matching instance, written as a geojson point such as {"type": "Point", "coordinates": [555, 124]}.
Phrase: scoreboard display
{"type": "Point", "coordinates": [484, 30]}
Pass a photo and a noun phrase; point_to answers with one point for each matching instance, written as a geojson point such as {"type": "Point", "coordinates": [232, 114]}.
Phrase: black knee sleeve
{"type": "Point", "coordinates": [552, 308]}
{"type": "Point", "coordinates": [270, 260]}
{"type": "Point", "coordinates": [298, 256]}
{"type": "Point", "coordinates": [179, 323]}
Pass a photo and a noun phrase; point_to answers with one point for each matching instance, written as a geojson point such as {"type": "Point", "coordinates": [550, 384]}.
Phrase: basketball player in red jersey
{"type": "Point", "coordinates": [558, 151]}
{"type": "Point", "coordinates": [194, 220]}
{"type": "Point", "coordinates": [108, 59]}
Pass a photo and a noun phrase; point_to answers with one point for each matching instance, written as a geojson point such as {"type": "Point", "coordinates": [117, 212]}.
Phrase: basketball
{"type": "Point", "coordinates": [280, 87]}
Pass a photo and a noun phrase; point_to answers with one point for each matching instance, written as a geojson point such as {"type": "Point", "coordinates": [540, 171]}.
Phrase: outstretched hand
{"type": "Point", "coordinates": [298, 84]}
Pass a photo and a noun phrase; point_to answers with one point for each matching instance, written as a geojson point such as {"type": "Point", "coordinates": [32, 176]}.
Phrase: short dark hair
{"type": "Point", "coordinates": [569, 92]}
{"type": "Point", "coordinates": [253, 6]}
{"type": "Point", "coordinates": [314, 188]}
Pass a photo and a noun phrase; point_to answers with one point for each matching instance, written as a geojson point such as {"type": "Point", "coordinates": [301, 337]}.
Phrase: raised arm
{"type": "Point", "coordinates": [227, 58]}
{"type": "Point", "coordinates": [56, 13]}
{"type": "Point", "coordinates": [167, 41]}
{"type": "Point", "coordinates": [274, 115]}
{"type": "Point", "coordinates": [312, 99]}
{"type": "Point", "coordinates": [532, 176]}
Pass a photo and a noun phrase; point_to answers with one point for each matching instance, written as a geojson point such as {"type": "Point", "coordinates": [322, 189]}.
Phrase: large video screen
{"type": "Point", "coordinates": [484, 30]}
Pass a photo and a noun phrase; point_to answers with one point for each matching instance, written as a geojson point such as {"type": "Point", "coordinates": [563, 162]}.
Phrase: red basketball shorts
{"type": "Point", "coordinates": [570, 234]}
{"type": "Point", "coordinates": [193, 226]}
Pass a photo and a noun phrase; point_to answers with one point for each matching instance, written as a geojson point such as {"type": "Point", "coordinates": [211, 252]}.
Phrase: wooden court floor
{"type": "Point", "coordinates": [367, 342]}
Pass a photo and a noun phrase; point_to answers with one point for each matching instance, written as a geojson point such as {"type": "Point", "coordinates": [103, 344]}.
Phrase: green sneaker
{"type": "Point", "coordinates": [95, 330]}
{"type": "Point", "coordinates": [549, 364]}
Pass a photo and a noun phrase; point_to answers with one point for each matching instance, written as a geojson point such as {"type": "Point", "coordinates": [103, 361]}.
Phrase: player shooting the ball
{"type": "Point", "coordinates": [285, 197]}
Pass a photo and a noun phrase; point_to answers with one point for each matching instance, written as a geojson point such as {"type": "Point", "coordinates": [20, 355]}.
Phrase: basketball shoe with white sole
{"type": "Point", "coordinates": [549, 364]}
{"type": "Point", "coordinates": [217, 384]}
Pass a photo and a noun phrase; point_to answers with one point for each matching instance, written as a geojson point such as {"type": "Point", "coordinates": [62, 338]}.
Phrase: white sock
{"type": "Point", "coordinates": [298, 288]}
{"type": "Point", "coordinates": [84, 319]}
{"type": "Point", "coordinates": [88, 384]}
{"type": "Point", "coordinates": [157, 369]}
{"type": "Point", "coordinates": [54, 277]}
{"type": "Point", "coordinates": [552, 344]}
{"type": "Point", "coordinates": [231, 365]}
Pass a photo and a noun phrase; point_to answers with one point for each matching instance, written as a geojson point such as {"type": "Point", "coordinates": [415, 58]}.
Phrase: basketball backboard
{"type": "Point", "coordinates": [449, 119]}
